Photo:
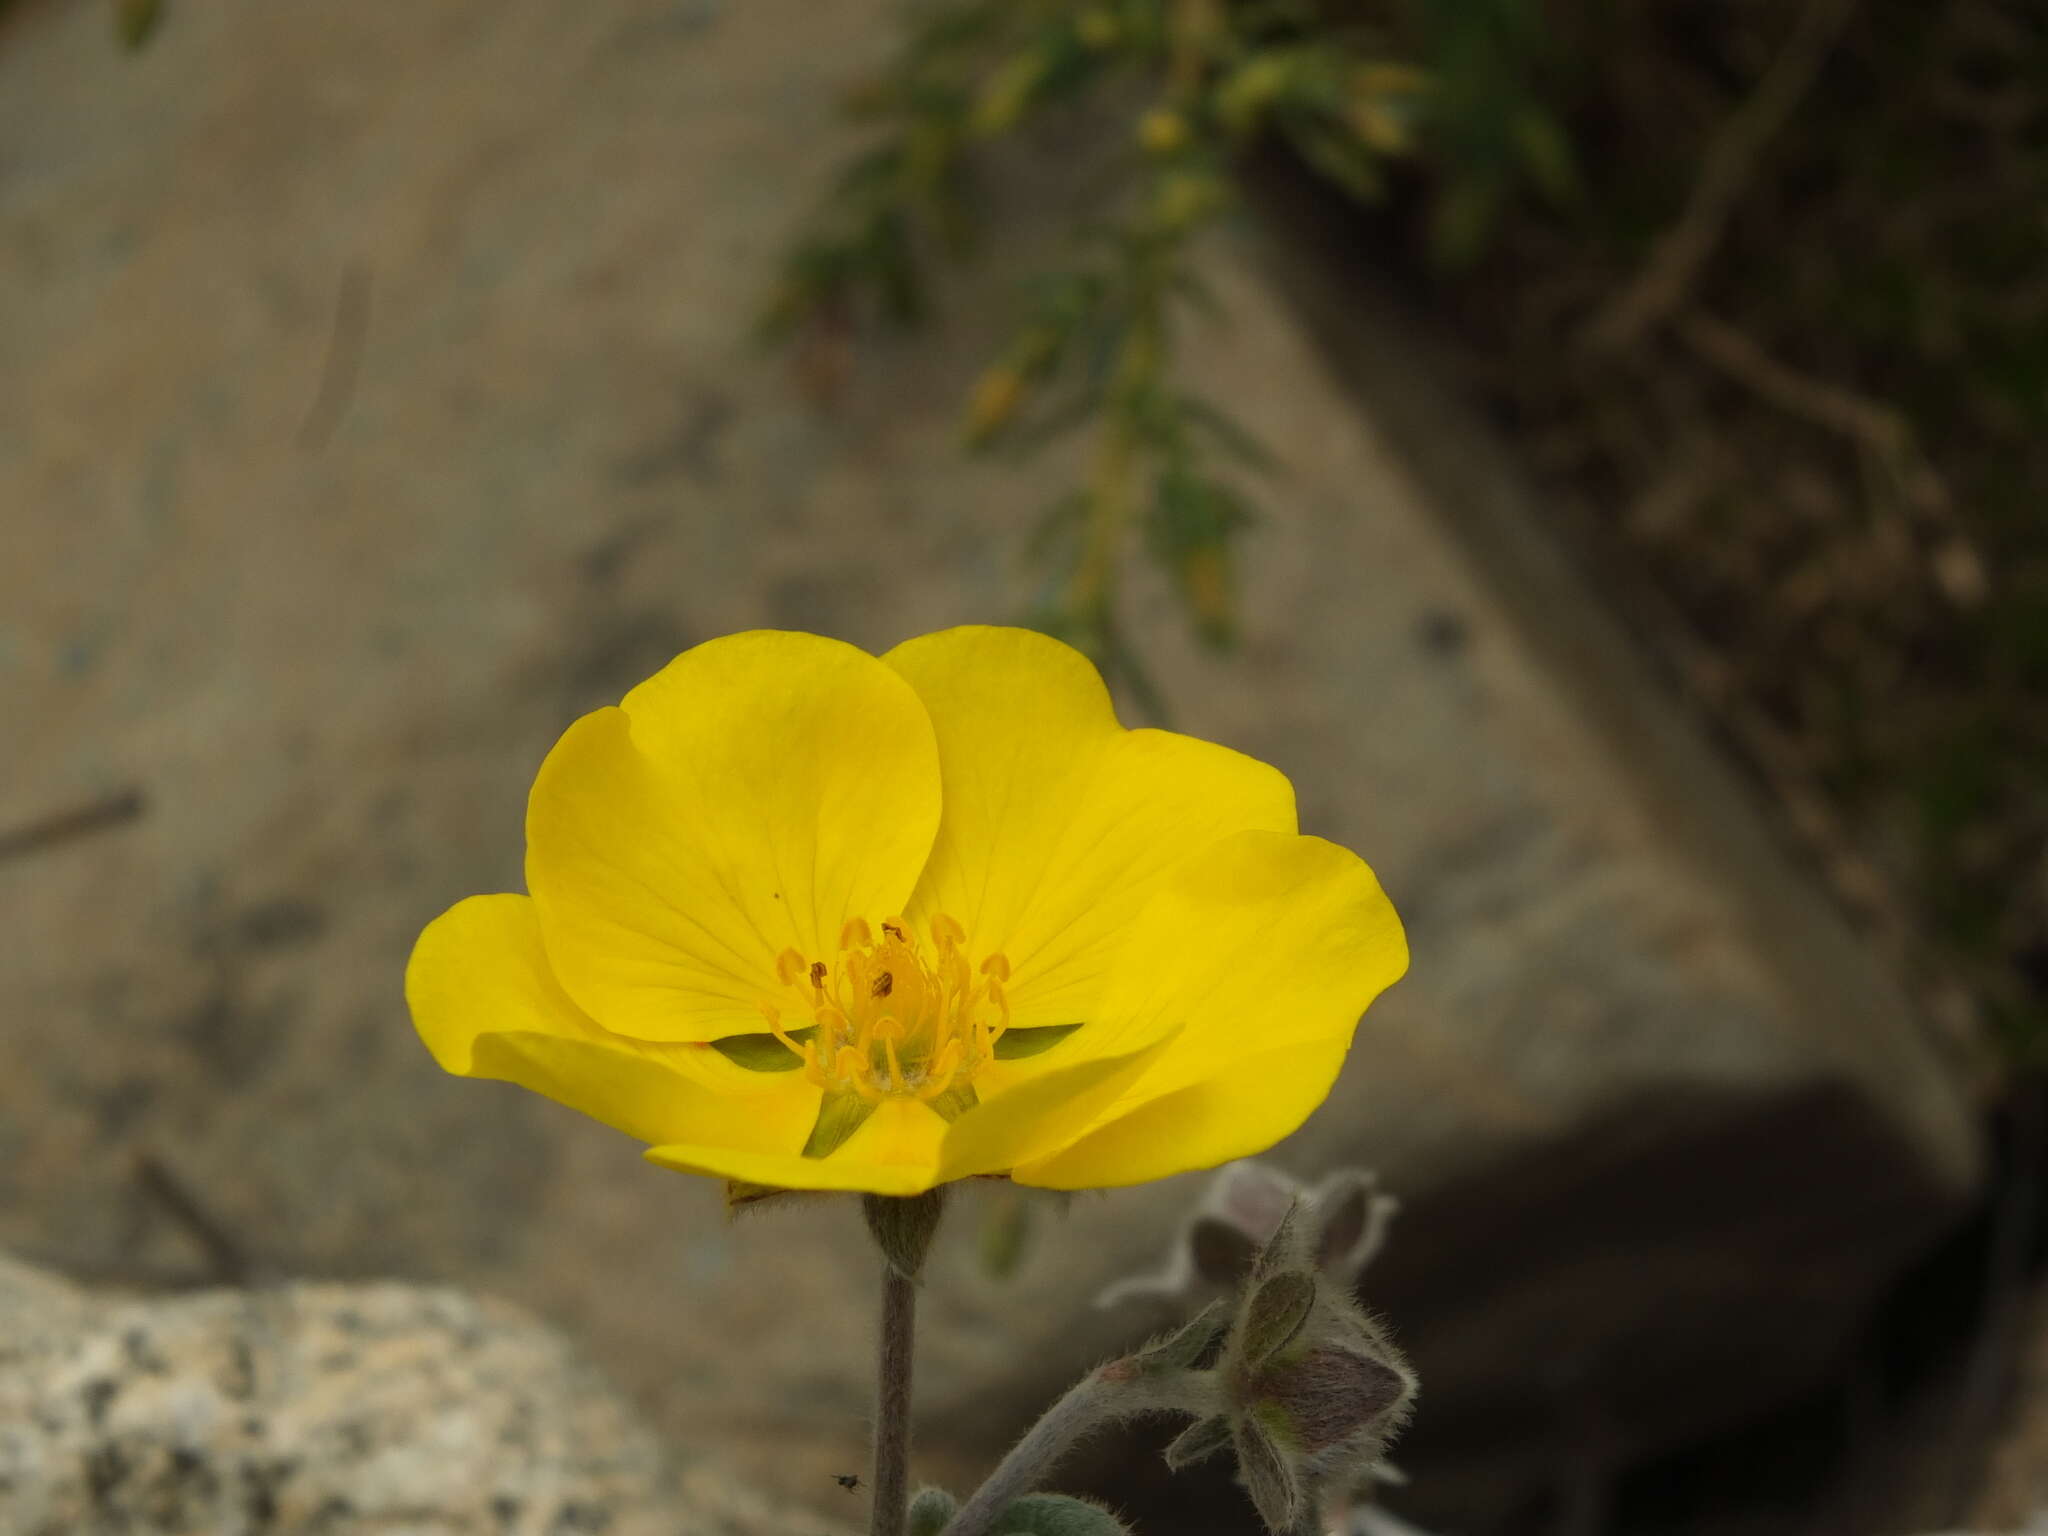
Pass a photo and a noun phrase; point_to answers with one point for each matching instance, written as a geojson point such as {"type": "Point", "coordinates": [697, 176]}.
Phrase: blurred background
{"type": "Point", "coordinates": [1595, 450]}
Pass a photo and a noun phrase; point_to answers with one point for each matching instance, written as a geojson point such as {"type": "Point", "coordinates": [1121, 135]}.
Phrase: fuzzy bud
{"type": "Point", "coordinates": [1344, 1219]}
{"type": "Point", "coordinates": [1314, 1388]}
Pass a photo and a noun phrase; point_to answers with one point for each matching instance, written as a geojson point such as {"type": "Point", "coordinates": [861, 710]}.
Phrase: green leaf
{"type": "Point", "coordinates": [1275, 1315]}
{"type": "Point", "coordinates": [1198, 1443]}
{"type": "Point", "coordinates": [1546, 154]}
{"type": "Point", "coordinates": [839, 1116]}
{"type": "Point", "coordinates": [930, 1510]}
{"type": "Point", "coordinates": [1015, 1044]}
{"type": "Point", "coordinates": [763, 1053]}
{"type": "Point", "coordinates": [1054, 1514]}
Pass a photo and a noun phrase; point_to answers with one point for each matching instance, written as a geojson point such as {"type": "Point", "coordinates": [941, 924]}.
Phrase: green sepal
{"type": "Point", "coordinates": [763, 1053]}
{"type": "Point", "coordinates": [1275, 1315]}
{"type": "Point", "coordinates": [1269, 1478]}
{"type": "Point", "coordinates": [1014, 1044]}
{"type": "Point", "coordinates": [954, 1102]}
{"type": "Point", "coordinates": [839, 1116]}
{"type": "Point", "coordinates": [931, 1510]}
{"type": "Point", "coordinates": [1198, 1442]}
{"type": "Point", "coordinates": [902, 1226]}
{"type": "Point", "coordinates": [1182, 1350]}
{"type": "Point", "coordinates": [1055, 1514]}
{"type": "Point", "coordinates": [1283, 1247]}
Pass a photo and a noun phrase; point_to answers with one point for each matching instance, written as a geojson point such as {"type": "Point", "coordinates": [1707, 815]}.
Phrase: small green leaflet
{"type": "Point", "coordinates": [1012, 1044]}
{"type": "Point", "coordinates": [762, 1053]}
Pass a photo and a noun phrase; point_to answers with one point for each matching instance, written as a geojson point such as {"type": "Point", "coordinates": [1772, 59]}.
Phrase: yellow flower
{"type": "Point", "coordinates": [808, 918]}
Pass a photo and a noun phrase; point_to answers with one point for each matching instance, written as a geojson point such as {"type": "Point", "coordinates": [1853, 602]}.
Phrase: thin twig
{"type": "Point", "coordinates": [226, 1258]}
{"type": "Point", "coordinates": [1667, 278]}
{"type": "Point", "coordinates": [1884, 434]}
{"type": "Point", "coordinates": [62, 826]}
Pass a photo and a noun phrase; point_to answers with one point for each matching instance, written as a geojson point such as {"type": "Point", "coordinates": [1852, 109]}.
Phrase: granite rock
{"type": "Point", "coordinates": [327, 1410]}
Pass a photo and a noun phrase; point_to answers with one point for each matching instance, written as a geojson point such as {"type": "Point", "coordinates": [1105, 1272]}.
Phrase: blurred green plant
{"type": "Point", "coordinates": [1194, 86]}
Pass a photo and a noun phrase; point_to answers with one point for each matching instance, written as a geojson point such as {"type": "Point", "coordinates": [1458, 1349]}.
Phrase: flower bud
{"type": "Point", "coordinates": [1314, 1388]}
{"type": "Point", "coordinates": [1345, 1220]}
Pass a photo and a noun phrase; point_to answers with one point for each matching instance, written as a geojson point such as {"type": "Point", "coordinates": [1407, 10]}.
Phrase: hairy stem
{"type": "Point", "coordinates": [1118, 1390]}
{"type": "Point", "coordinates": [892, 1403]}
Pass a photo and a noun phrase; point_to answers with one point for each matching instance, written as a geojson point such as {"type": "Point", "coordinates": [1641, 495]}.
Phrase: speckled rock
{"type": "Point", "coordinates": [328, 1409]}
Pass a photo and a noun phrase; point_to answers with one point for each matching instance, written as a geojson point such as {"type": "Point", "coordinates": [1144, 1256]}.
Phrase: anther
{"type": "Point", "coordinates": [818, 975]}
{"type": "Point", "coordinates": [788, 966]}
{"type": "Point", "coordinates": [883, 985]}
{"type": "Point", "coordinates": [997, 966]}
{"type": "Point", "coordinates": [894, 928]}
{"type": "Point", "coordinates": [947, 932]}
{"type": "Point", "coordinates": [855, 935]}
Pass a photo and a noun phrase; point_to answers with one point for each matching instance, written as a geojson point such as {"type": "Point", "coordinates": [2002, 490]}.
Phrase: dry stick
{"type": "Point", "coordinates": [1877, 427]}
{"type": "Point", "coordinates": [1667, 278]}
{"type": "Point", "coordinates": [1884, 433]}
{"type": "Point", "coordinates": [892, 1404]}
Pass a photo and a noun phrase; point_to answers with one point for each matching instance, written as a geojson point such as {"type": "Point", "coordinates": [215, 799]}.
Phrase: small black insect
{"type": "Point", "coordinates": [847, 1480]}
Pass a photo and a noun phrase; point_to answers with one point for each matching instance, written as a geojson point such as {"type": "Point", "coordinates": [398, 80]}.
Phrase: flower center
{"type": "Point", "coordinates": [891, 1015]}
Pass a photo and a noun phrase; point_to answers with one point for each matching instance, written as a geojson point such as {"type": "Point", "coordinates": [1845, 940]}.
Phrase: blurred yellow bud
{"type": "Point", "coordinates": [1162, 130]}
{"type": "Point", "coordinates": [1243, 98]}
{"type": "Point", "coordinates": [1384, 98]}
{"type": "Point", "coordinates": [1008, 92]}
{"type": "Point", "coordinates": [1388, 131]}
{"type": "Point", "coordinates": [993, 402]}
{"type": "Point", "coordinates": [1187, 199]}
{"type": "Point", "coordinates": [1097, 28]}
{"type": "Point", "coordinates": [1205, 580]}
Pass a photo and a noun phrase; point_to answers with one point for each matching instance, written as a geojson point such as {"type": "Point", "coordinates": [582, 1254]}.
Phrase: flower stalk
{"type": "Point", "coordinates": [903, 1230]}
{"type": "Point", "coordinates": [892, 1403]}
{"type": "Point", "coordinates": [1122, 1389]}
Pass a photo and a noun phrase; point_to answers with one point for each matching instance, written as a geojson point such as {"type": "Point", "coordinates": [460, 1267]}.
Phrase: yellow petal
{"type": "Point", "coordinates": [1058, 821]}
{"type": "Point", "coordinates": [749, 798]}
{"type": "Point", "coordinates": [1200, 1126]}
{"type": "Point", "coordinates": [1264, 950]}
{"type": "Point", "coordinates": [487, 1005]}
{"type": "Point", "coordinates": [895, 1152]}
{"type": "Point", "coordinates": [1042, 1113]}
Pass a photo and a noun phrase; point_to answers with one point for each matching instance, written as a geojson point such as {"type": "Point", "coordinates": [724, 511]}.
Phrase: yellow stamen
{"type": "Point", "coordinates": [939, 1075]}
{"type": "Point", "coordinates": [893, 1013]}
